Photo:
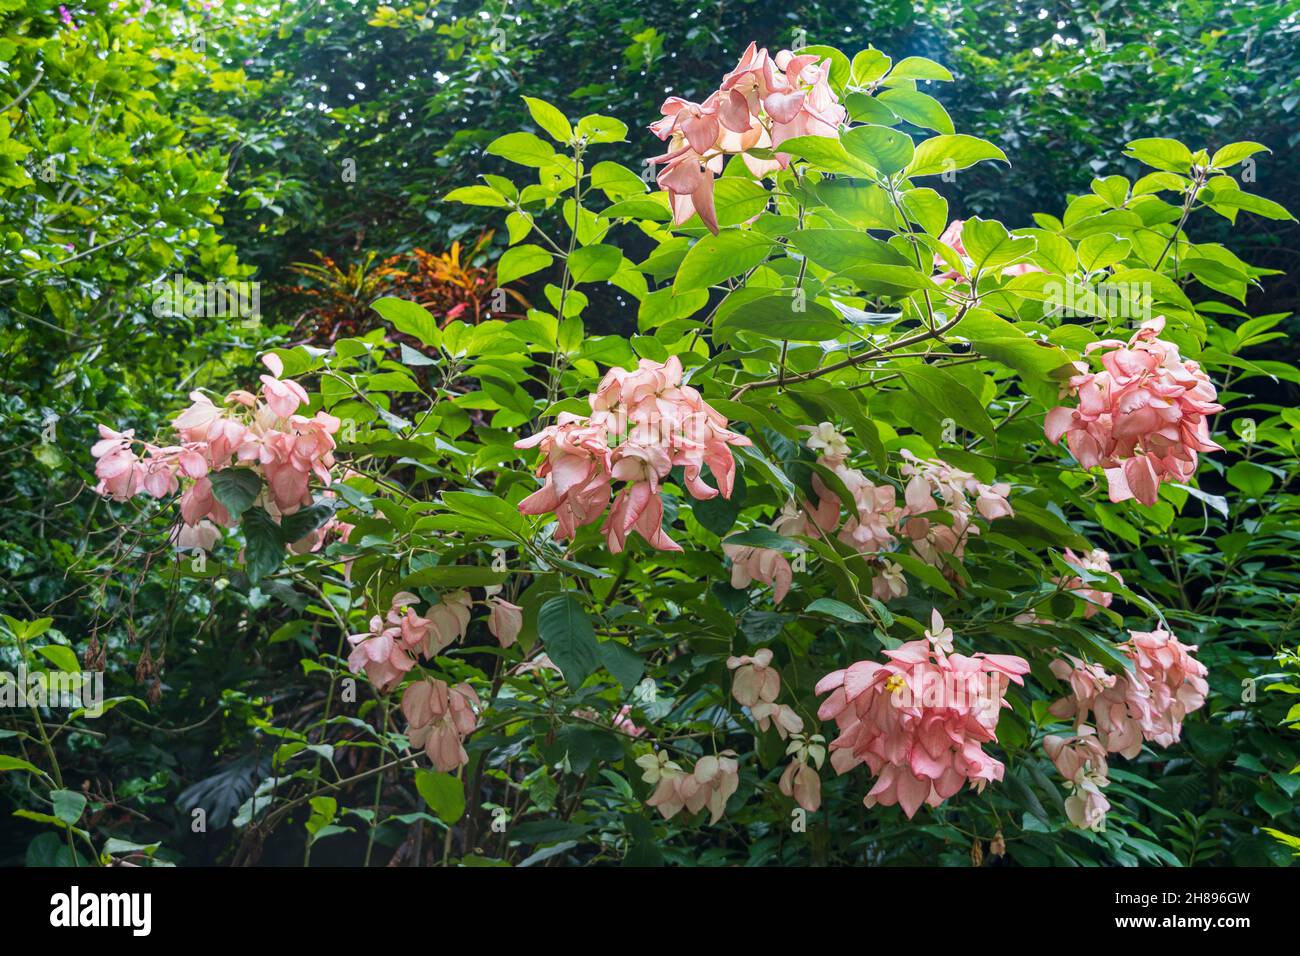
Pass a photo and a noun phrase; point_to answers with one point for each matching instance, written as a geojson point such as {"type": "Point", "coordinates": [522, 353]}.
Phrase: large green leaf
{"type": "Point", "coordinates": [569, 639]}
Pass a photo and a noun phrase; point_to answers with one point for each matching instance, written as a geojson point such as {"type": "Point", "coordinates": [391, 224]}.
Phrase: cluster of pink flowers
{"type": "Point", "coordinates": [800, 780]}
{"type": "Point", "coordinates": [760, 104]}
{"type": "Point", "coordinates": [756, 685]}
{"type": "Point", "coordinates": [952, 237]}
{"type": "Point", "coordinates": [440, 718]}
{"type": "Point", "coordinates": [920, 721]}
{"type": "Point", "coordinates": [1098, 561]}
{"type": "Point", "coordinates": [710, 784]}
{"type": "Point", "coordinates": [1081, 760]}
{"type": "Point", "coordinates": [1147, 703]}
{"type": "Point", "coordinates": [643, 423]}
{"type": "Point", "coordinates": [878, 522]}
{"type": "Point", "coordinates": [284, 448]}
{"type": "Point", "coordinates": [1143, 418]}
{"type": "Point", "coordinates": [387, 651]}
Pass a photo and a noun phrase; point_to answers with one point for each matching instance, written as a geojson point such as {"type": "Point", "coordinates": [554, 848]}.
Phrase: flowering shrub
{"type": "Point", "coordinates": [835, 391]}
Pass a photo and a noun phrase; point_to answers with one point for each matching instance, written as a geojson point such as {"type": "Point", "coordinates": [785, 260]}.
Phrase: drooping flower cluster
{"type": "Point", "coordinates": [1147, 703]}
{"type": "Point", "coordinates": [756, 685]}
{"type": "Point", "coordinates": [711, 784]}
{"type": "Point", "coordinates": [643, 423]}
{"type": "Point", "coordinates": [268, 437]}
{"type": "Point", "coordinates": [505, 620]}
{"type": "Point", "coordinates": [920, 720]}
{"type": "Point", "coordinates": [388, 650]}
{"type": "Point", "coordinates": [1081, 760]}
{"type": "Point", "coordinates": [952, 237]}
{"type": "Point", "coordinates": [1143, 418]}
{"type": "Point", "coordinates": [440, 717]}
{"type": "Point", "coordinates": [800, 779]}
{"type": "Point", "coordinates": [763, 102]}
{"type": "Point", "coordinates": [878, 521]}
{"type": "Point", "coordinates": [1098, 561]}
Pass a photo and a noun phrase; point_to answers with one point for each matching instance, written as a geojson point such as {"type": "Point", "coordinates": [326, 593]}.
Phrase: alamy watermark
{"type": "Point", "coordinates": [65, 689]}
{"type": "Point", "coordinates": [217, 299]}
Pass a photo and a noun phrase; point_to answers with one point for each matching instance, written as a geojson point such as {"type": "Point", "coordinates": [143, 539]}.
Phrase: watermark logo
{"type": "Point", "coordinates": [1120, 300]}
{"type": "Point", "coordinates": [65, 689]}
{"type": "Point", "coordinates": [75, 909]}
{"type": "Point", "coordinates": [219, 299]}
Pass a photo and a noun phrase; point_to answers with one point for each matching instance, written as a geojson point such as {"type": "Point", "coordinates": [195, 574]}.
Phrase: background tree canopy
{"type": "Point", "coordinates": [309, 146]}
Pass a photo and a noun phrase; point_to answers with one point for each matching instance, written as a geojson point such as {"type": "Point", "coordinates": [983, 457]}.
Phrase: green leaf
{"type": "Point", "coordinates": [836, 609]}
{"type": "Point", "coordinates": [304, 521]}
{"type": "Point", "coordinates": [918, 68]}
{"type": "Point", "coordinates": [602, 129]}
{"type": "Point", "coordinates": [477, 196]}
{"type": "Point", "coordinates": [953, 399]}
{"type": "Point", "coordinates": [624, 664]}
{"type": "Point", "coordinates": [948, 153]}
{"type": "Point", "coordinates": [569, 639]}
{"type": "Point", "coordinates": [991, 247]}
{"type": "Point", "coordinates": [764, 538]}
{"type": "Point", "coordinates": [919, 109]}
{"type": "Point", "coordinates": [409, 318]}
{"type": "Point", "coordinates": [868, 66]}
{"type": "Point", "coordinates": [779, 316]}
{"type": "Point", "coordinates": [1234, 153]}
{"type": "Point", "coordinates": [68, 805]}
{"type": "Point", "coordinates": [594, 263]}
{"type": "Point", "coordinates": [1237, 199]}
{"type": "Point", "coordinates": [521, 261]}
{"type": "Point", "coordinates": [715, 258]}
{"type": "Point", "coordinates": [550, 119]}
{"type": "Point", "coordinates": [1167, 154]}
{"type": "Point", "coordinates": [523, 148]}
{"type": "Point", "coordinates": [443, 793]}
{"type": "Point", "coordinates": [263, 550]}
{"type": "Point", "coordinates": [61, 656]}
{"type": "Point", "coordinates": [16, 763]}
{"type": "Point", "coordinates": [880, 147]}
{"type": "Point", "coordinates": [235, 488]}
{"type": "Point", "coordinates": [1250, 478]}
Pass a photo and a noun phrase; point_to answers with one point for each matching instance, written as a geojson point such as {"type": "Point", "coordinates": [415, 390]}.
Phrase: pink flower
{"type": "Point", "coordinates": [505, 620]}
{"type": "Point", "coordinates": [760, 104]}
{"type": "Point", "coordinates": [920, 720]}
{"type": "Point", "coordinates": [440, 719]}
{"type": "Point", "coordinates": [1143, 418]}
{"type": "Point", "coordinates": [711, 784]}
{"type": "Point", "coordinates": [1148, 703]}
{"type": "Point", "coordinates": [780, 716]}
{"type": "Point", "coordinates": [1175, 680]}
{"type": "Point", "coordinates": [804, 784]}
{"type": "Point", "coordinates": [381, 652]}
{"type": "Point", "coordinates": [1081, 752]}
{"type": "Point", "coordinates": [283, 396]}
{"type": "Point", "coordinates": [889, 582]}
{"type": "Point", "coordinates": [759, 564]}
{"type": "Point", "coordinates": [117, 467]}
{"type": "Point", "coordinates": [196, 537]}
{"type": "Point", "coordinates": [655, 424]}
{"type": "Point", "coordinates": [755, 678]}
{"type": "Point", "coordinates": [623, 722]}
{"type": "Point", "coordinates": [448, 622]}
{"type": "Point", "coordinates": [1097, 561]}
{"type": "Point", "coordinates": [801, 779]}
{"type": "Point", "coordinates": [1081, 760]}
